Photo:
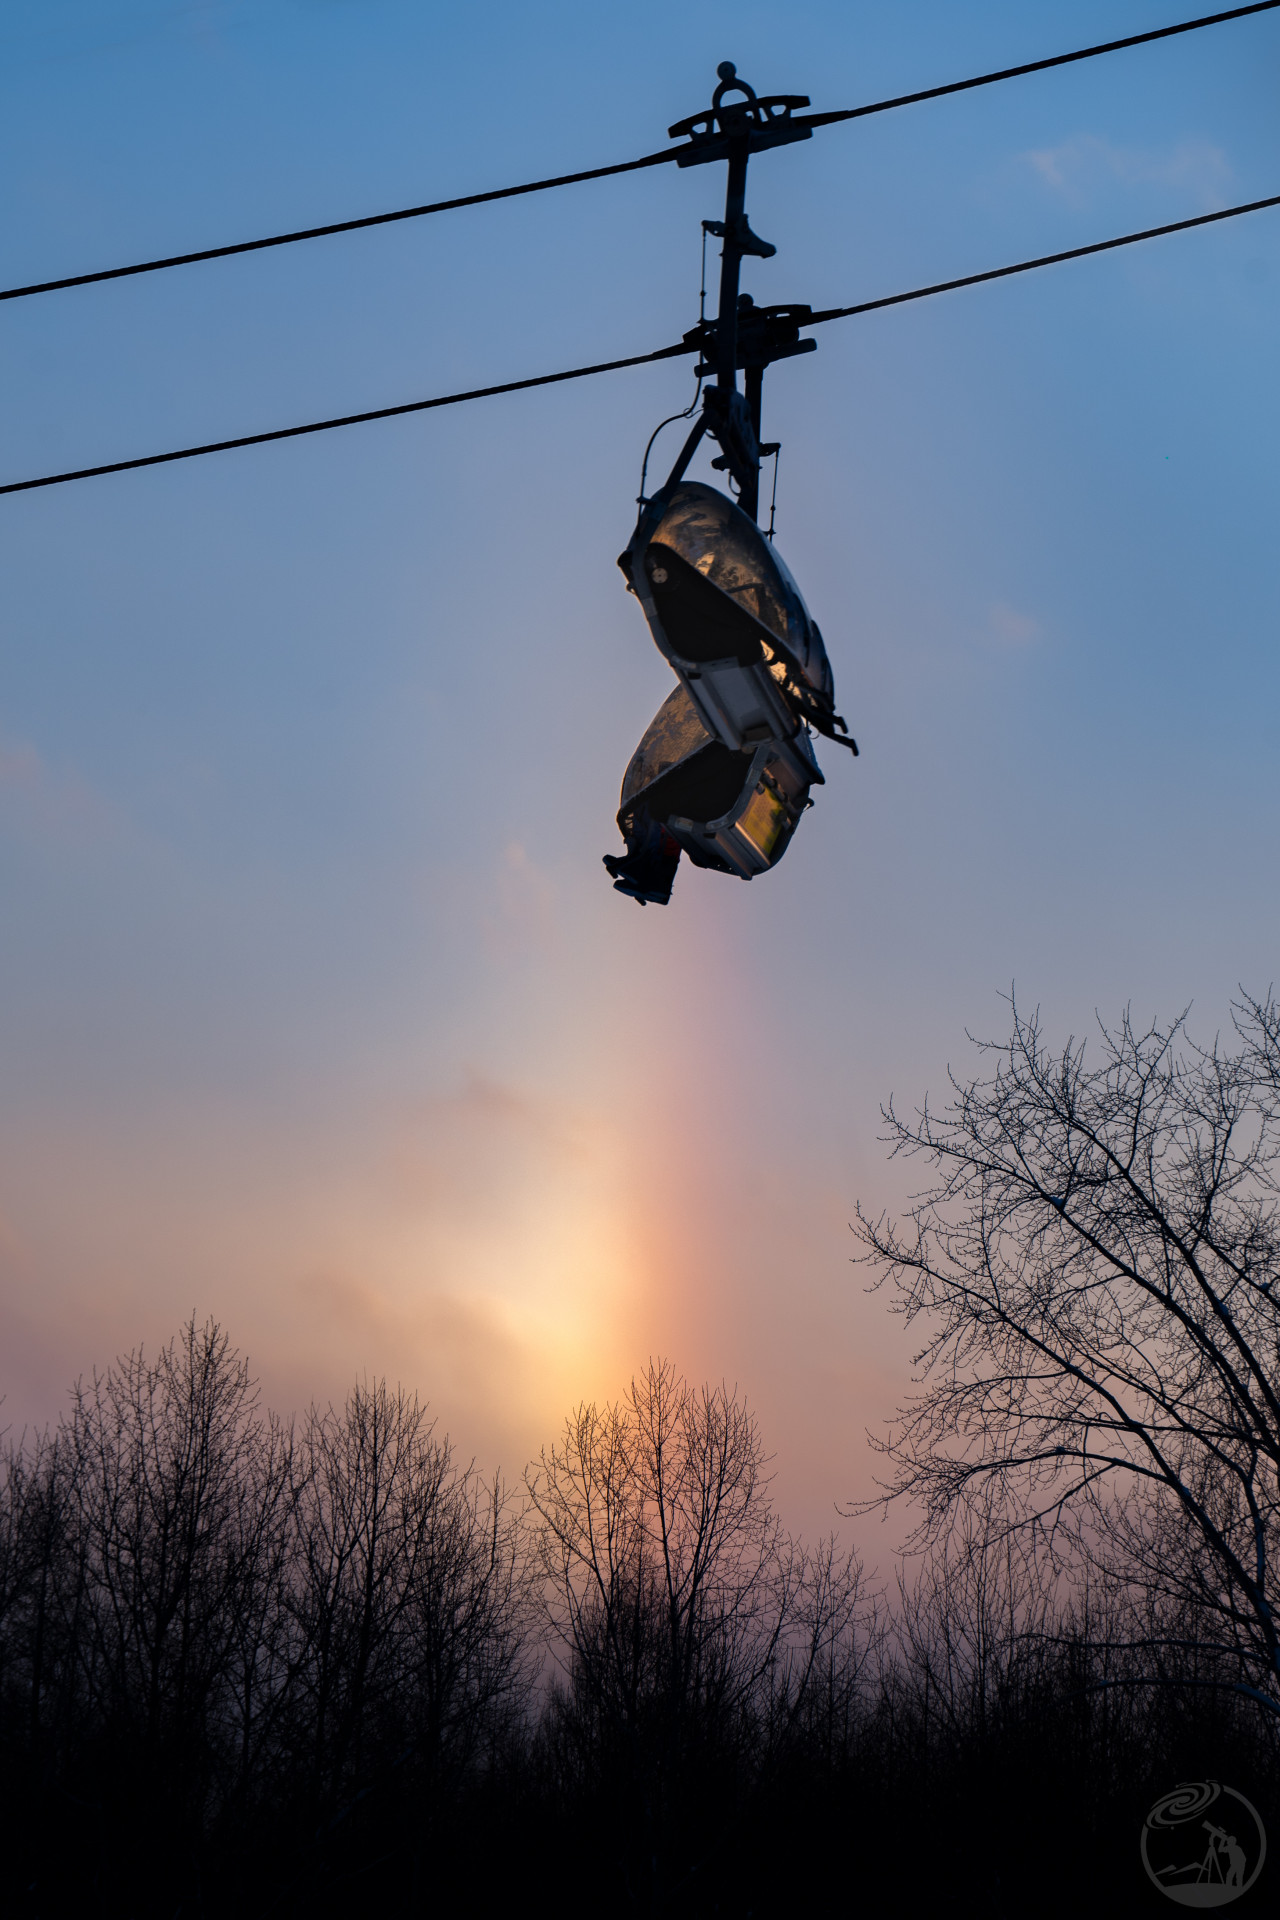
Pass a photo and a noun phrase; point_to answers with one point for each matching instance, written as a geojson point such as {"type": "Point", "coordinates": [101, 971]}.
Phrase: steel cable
{"type": "Point", "coordinates": [634, 360]}
{"type": "Point", "coordinates": [1039, 66]}
{"type": "Point", "coordinates": [623, 166]}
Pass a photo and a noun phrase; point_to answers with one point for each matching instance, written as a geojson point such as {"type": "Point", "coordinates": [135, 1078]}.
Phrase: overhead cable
{"type": "Point", "coordinates": [344, 226]}
{"type": "Point", "coordinates": [1041, 260]}
{"type": "Point", "coordinates": [1037, 66]}
{"type": "Point", "coordinates": [625, 166]}
{"type": "Point", "coordinates": [344, 420]}
{"type": "Point", "coordinates": [633, 360]}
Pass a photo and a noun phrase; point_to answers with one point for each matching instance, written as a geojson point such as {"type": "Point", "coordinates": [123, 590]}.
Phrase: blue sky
{"type": "Point", "coordinates": [316, 1008]}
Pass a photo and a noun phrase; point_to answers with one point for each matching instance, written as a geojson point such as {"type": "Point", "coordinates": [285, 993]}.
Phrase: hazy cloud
{"type": "Point", "coordinates": [446, 1148]}
{"type": "Point", "coordinates": [442, 1337]}
{"type": "Point", "coordinates": [522, 916]}
{"type": "Point", "coordinates": [1016, 629]}
{"type": "Point", "coordinates": [39, 800]}
{"type": "Point", "coordinates": [1087, 163]}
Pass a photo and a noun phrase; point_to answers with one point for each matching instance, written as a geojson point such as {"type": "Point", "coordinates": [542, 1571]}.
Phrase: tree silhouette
{"type": "Point", "coordinates": [252, 1668]}
{"type": "Point", "coordinates": [693, 1629]}
{"type": "Point", "coordinates": [1095, 1271]}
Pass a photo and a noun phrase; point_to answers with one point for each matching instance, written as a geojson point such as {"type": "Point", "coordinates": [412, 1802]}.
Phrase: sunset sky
{"type": "Point", "coordinates": [317, 1011]}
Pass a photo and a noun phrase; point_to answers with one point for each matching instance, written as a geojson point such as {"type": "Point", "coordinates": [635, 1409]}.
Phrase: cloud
{"type": "Point", "coordinates": [446, 1148]}
{"type": "Point", "coordinates": [461, 1346]}
{"type": "Point", "coordinates": [39, 802]}
{"type": "Point", "coordinates": [1016, 629]}
{"type": "Point", "coordinates": [1088, 163]}
{"type": "Point", "coordinates": [522, 916]}
{"type": "Point", "coordinates": [493, 1219]}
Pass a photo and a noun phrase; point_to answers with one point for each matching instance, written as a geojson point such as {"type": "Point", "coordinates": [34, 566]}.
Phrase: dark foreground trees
{"type": "Point", "coordinates": [697, 1641]}
{"type": "Point", "coordinates": [249, 1667]}
{"type": "Point", "coordinates": [1096, 1268]}
{"type": "Point", "coordinates": [219, 1636]}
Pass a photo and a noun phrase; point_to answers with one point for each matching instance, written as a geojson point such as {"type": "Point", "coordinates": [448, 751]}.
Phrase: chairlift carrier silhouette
{"type": "Point", "coordinates": [724, 770]}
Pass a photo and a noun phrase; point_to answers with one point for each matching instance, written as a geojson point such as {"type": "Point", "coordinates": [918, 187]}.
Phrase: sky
{"type": "Point", "coordinates": [317, 1011]}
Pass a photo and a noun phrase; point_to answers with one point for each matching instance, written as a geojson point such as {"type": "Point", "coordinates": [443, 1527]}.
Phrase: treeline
{"type": "Point", "coordinates": [254, 1667]}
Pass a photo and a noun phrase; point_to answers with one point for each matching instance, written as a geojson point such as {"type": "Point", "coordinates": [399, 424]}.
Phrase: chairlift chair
{"type": "Point", "coordinates": [724, 771]}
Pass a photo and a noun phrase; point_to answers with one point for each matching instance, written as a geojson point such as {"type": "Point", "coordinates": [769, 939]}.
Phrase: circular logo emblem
{"type": "Point", "coordinates": [1203, 1844]}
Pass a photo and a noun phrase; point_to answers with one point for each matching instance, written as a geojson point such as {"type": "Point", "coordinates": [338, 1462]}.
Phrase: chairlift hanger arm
{"type": "Point", "coordinates": [742, 335]}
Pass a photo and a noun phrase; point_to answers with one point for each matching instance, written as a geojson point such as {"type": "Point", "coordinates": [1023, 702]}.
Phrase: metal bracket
{"type": "Point", "coordinates": [764, 334]}
{"type": "Point", "coordinates": [741, 237]}
{"type": "Point", "coordinates": [728, 417]}
{"type": "Point", "coordinates": [758, 123]}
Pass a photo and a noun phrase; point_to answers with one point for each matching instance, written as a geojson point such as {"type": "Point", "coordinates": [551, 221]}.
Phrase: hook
{"type": "Point", "coordinates": [730, 83]}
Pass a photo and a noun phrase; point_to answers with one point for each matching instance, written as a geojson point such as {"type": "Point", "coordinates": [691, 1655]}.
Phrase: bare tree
{"type": "Point", "coordinates": [467, 1628]}
{"type": "Point", "coordinates": [972, 1627]}
{"type": "Point", "coordinates": [211, 1633]}
{"type": "Point", "coordinates": [166, 1488]}
{"type": "Point", "coordinates": [39, 1583]}
{"type": "Point", "coordinates": [261, 1655]}
{"type": "Point", "coordinates": [1094, 1267]}
{"type": "Point", "coordinates": [691, 1628]}
{"type": "Point", "coordinates": [818, 1699]}
{"type": "Point", "coordinates": [409, 1593]}
{"type": "Point", "coordinates": [370, 1474]}
{"type": "Point", "coordinates": [667, 1567]}
{"type": "Point", "coordinates": [244, 1656]}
